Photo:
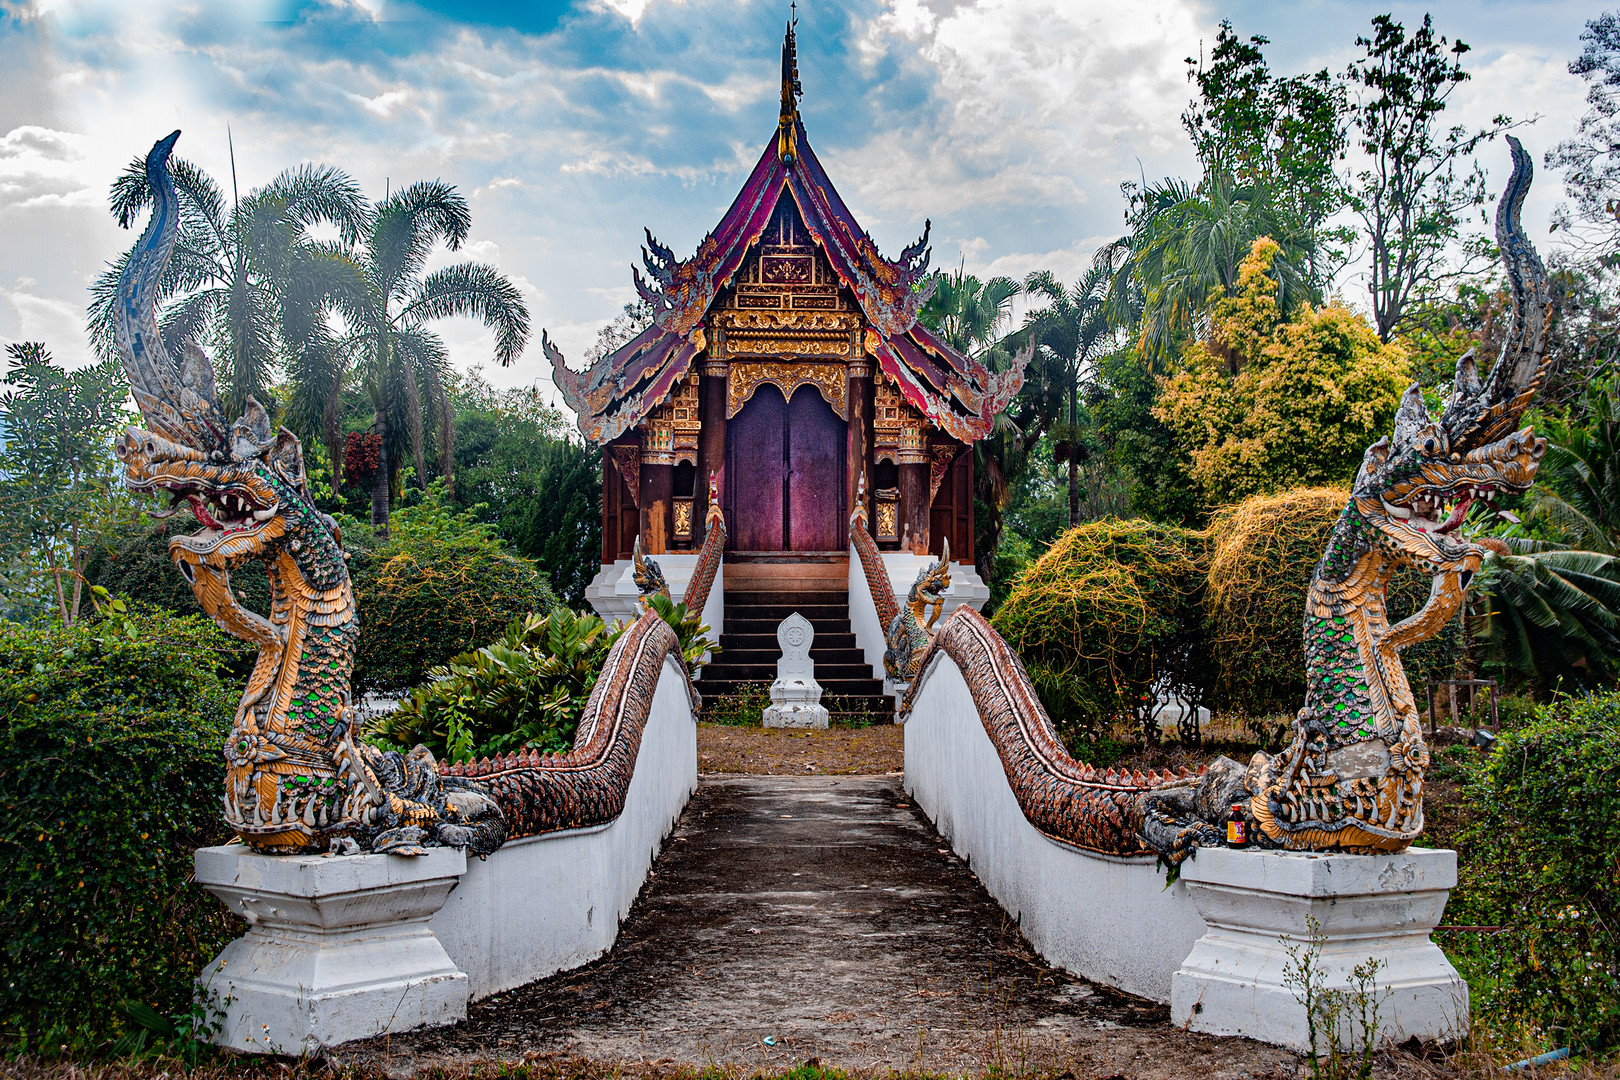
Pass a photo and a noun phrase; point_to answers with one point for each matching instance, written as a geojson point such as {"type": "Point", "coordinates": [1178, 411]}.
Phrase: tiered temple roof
{"type": "Point", "coordinates": [956, 392]}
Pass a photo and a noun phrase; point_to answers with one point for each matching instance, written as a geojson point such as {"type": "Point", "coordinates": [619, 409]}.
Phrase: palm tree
{"type": "Point", "coordinates": [401, 364]}
{"type": "Point", "coordinates": [967, 312]}
{"type": "Point", "coordinates": [1071, 331]}
{"type": "Point", "coordinates": [246, 283]}
{"type": "Point", "coordinates": [1578, 485]}
{"type": "Point", "coordinates": [1552, 614]}
{"type": "Point", "coordinates": [1187, 243]}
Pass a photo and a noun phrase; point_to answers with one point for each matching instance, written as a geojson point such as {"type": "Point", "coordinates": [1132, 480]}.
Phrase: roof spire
{"type": "Point", "coordinates": [787, 147]}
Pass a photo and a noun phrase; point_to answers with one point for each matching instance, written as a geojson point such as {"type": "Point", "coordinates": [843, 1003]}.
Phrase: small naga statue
{"type": "Point", "coordinates": [296, 777]}
{"type": "Point", "coordinates": [911, 630]}
{"type": "Point", "coordinates": [648, 575]}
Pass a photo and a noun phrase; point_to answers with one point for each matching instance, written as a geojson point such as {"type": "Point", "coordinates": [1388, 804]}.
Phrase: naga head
{"type": "Point", "coordinates": [649, 576]}
{"type": "Point", "coordinates": [242, 480]}
{"type": "Point", "coordinates": [1420, 484]}
{"type": "Point", "coordinates": [931, 585]}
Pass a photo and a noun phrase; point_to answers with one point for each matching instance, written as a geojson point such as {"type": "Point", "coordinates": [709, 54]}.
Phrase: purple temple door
{"type": "Point", "coordinates": [784, 474]}
{"type": "Point", "coordinates": [815, 473]}
{"type": "Point", "coordinates": [756, 472]}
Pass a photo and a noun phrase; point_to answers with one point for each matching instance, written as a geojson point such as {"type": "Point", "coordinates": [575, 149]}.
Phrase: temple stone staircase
{"type": "Point", "coordinates": [763, 589]}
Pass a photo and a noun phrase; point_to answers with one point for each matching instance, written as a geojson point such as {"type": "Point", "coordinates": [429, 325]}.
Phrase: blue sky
{"type": "Point", "coordinates": [1010, 123]}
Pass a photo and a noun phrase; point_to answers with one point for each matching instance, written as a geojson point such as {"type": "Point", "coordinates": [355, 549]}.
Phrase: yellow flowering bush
{"type": "Point", "coordinates": [1268, 402]}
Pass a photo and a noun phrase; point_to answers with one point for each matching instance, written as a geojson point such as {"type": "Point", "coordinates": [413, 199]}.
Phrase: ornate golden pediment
{"type": "Point", "coordinates": [746, 376]}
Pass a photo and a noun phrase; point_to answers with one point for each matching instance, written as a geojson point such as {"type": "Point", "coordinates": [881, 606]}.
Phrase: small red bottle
{"type": "Point", "coordinates": [1237, 831]}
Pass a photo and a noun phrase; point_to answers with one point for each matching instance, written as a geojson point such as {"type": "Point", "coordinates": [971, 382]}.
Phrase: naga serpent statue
{"type": "Point", "coordinates": [1351, 777]}
{"type": "Point", "coordinates": [298, 779]}
{"type": "Point", "coordinates": [907, 630]}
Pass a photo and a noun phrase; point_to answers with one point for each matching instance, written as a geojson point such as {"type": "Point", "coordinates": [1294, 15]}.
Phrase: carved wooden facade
{"type": "Point", "coordinates": [785, 357]}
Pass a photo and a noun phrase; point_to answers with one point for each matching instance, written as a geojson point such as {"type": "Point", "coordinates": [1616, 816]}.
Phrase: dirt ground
{"type": "Point", "coordinates": [873, 751]}
{"type": "Point", "coordinates": [821, 917]}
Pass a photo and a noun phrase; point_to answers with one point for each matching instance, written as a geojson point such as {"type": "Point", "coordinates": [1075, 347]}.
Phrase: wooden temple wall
{"type": "Point", "coordinates": [952, 511]}
{"type": "Point", "coordinates": [621, 517]}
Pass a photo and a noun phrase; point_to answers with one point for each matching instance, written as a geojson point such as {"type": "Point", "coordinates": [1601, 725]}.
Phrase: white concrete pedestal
{"type": "Point", "coordinates": [339, 948]}
{"type": "Point", "coordinates": [1256, 904]}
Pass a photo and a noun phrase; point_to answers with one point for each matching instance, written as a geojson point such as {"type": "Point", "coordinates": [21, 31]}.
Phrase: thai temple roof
{"type": "Point", "coordinates": [957, 393]}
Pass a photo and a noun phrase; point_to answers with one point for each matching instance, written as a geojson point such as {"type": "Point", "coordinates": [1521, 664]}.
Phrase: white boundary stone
{"type": "Point", "coordinates": [337, 948]}
{"type": "Point", "coordinates": [795, 695]}
{"type": "Point", "coordinates": [1258, 904]}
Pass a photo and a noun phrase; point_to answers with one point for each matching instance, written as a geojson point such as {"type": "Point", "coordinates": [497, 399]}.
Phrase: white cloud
{"type": "Point", "coordinates": [60, 325]}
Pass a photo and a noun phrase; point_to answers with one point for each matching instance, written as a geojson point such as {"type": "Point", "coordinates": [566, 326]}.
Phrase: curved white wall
{"type": "Point", "coordinates": [1106, 918]}
{"type": "Point", "coordinates": [543, 904]}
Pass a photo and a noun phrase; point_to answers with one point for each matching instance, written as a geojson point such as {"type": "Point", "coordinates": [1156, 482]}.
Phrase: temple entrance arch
{"type": "Point", "coordinates": [785, 473]}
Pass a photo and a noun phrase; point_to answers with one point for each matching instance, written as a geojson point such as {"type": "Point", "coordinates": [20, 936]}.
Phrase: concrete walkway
{"type": "Point", "coordinates": [792, 918]}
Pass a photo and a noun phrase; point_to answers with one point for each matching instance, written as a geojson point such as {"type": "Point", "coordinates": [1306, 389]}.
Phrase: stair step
{"type": "Point", "coordinates": [853, 688]}
{"type": "Point", "coordinates": [729, 655]}
{"type": "Point", "coordinates": [825, 673]}
{"type": "Point", "coordinates": [732, 640]}
{"type": "Point", "coordinates": [737, 598]}
{"type": "Point", "coordinates": [778, 611]}
{"type": "Point", "coordinates": [768, 626]}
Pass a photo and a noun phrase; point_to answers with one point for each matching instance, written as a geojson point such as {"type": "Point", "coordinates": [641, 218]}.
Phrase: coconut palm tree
{"type": "Point", "coordinates": [1188, 242]}
{"type": "Point", "coordinates": [389, 349]}
{"type": "Point", "coordinates": [967, 312]}
{"type": "Point", "coordinates": [247, 283]}
{"type": "Point", "coordinates": [1071, 331]}
{"type": "Point", "coordinates": [1551, 614]}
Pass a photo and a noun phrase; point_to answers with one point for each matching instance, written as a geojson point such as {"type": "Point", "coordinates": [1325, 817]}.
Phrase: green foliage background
{"type": "Point", "coordinates": [110, 769]}
{"type": "Point", "coordinates": [438, 585]}
{"type": "Point", "coordinates": [1542, 860]}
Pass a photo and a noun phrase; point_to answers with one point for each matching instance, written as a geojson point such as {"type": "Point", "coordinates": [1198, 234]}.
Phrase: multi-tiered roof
{"type": "Point", "coordinates": [957, 393]}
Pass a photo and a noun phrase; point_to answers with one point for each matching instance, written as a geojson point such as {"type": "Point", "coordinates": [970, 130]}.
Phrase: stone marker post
{"type": "Point", "coordinates": [795, 695]}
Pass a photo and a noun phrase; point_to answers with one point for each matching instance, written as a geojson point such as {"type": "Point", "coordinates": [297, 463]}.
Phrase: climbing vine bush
{"type": "Point", "coordinates": [1263, 552]}
{"type": "Point", "coordinates": [110, 736]}
{"type": "Point", "coordinates": [1542, 863]}
{"type": "Point", "coordinates": [1101, 614]}
{"type": "Point", "coordinates": [1268, 400]}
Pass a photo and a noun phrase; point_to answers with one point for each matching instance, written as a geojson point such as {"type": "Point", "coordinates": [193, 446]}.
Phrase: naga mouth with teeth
{"type": "Point", "coordinates": [1433, 492]}
{"type": "Point", "coordinates": [232, 501]}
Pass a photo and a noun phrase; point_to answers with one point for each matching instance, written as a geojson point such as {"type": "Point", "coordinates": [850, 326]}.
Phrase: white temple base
{"type": "Point", "coordinates": [1257, 905]}
{"type": "Point", "coordinates": [338, 948]}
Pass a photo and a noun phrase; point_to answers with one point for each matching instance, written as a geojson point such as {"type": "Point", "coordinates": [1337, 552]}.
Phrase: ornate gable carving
{"type": "Point", "coordinates": [785, 301]}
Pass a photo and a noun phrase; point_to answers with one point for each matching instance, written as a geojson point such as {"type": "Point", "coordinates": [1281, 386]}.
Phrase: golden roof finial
{"type": "Point", "coordinates": [787, 148]}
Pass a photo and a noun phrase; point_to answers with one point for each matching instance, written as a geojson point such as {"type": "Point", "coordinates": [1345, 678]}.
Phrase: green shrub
{"type": "Point", "coordinates": [1104, 612]}
{"type": "Point", "coordinates": [1544, 862]}
{"type": "Point", "coordinates": [132, 560]}
{"type": "Point", "coordinates": [110, 774]}
{"type": "Point", "coordinates": [526, 690]}
{"type": "Point", "coordinates": [439, 585]}
{"type": "Point", "coordinates": [691, 632]}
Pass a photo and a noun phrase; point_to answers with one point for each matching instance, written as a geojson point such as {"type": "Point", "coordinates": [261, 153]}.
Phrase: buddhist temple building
{"type": "Point", "coordinates": [785, 359]}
